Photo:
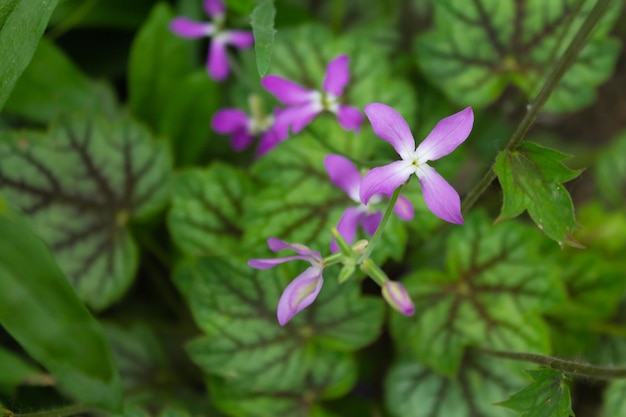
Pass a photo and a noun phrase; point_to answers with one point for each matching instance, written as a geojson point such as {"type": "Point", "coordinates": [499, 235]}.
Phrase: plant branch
{"type": "Point", "coordinates": [381, 227]}
{"type": "Point", "coordinates": [70, 410]}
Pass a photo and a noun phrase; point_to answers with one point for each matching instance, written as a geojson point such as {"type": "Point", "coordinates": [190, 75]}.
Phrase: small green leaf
{"type": "Point", "coordinates": [206, 210]}
{"type": "Point", "coordinates": [492, 293]}
{"type": "Point", "coordinates": [547, 396]}
{"type": "Point", "coordinates": [41, 311]}
{"type": "Point", "coordinates": [262, 20]}
{"type": "Point", "coordinates": [478, 48]}
{"type": "Point", "coordinates": [82, 184]}
{"type": "Point", "coordinates": [159, 61]}
{"type": "Point", "coordinates": [413, 390]}
{"type": "Point", "coordinates": [52, 85]}
{"type": "Point", "coordinates": [531, 179]}
{"type": "Point", "coordinates": [614, 399]}
{"type": "Point", "coordinates": [22, 22]}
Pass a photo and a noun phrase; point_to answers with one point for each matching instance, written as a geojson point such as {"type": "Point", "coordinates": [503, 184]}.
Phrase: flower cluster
{"type": "Point", "coordinates": [301, 106]}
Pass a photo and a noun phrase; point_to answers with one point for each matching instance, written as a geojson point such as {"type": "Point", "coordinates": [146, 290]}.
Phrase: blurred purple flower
{"type": "Point", "coordinates": [243, 129]}
{"type": "Point", "coordinates": [303, 290]}
{"type": "Point", "coordinates": [449, 133]}
{"type": "Point", "coordinates": [304, 105]}
{"type": "Point", "coordinates": [217, 60]}
{"type": "Point", "coordinates": [397, 297]}
{"type": "Point", "coordinates": [346, 176]}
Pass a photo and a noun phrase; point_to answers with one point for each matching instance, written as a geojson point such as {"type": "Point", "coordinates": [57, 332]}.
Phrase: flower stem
{"type": "Point", "coordinates": [559, 69]}
{"type": "Point", "coordinates": [379, 232]}
{"type": "Point", "coordinates": [562, 365]}
{"type": "Point", "coordinates": [70, 410]}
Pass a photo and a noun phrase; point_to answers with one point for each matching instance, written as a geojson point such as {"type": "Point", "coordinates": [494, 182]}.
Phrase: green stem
{"type": "Point", "coordinates": [559, 69]}
{"type": "Point", "coordinates": [381, 228]}
{"type": "Point", "coordinates": [562, 365]}
{"type": "Point", "coordinates": [56, 412]}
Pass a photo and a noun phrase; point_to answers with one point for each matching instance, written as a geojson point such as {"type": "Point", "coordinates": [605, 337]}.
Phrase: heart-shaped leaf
{"type": "Point", "coordinates": [82, 183]}
{"type": "Point", "coordinates": [206, 210]}
{"type": "Point", "coordinates": [235, 306]}
{"type": "Point", "coordinates": [479, 47]}
{"type": "Point", "coordinates": [547, 396]}
{"type": "Point", "coordinates": [414, 390]}
{"type": "Point", "coordinates": [531, 179]}
{"type": "Point", "coordinates": [491, 294]}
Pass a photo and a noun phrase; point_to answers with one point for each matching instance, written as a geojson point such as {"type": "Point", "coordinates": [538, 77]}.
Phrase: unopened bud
{"type": "Point", "coordinates": [360, 246]}
{"type": "Point", "coordinates": [346, 273]}
{"type": "Point", "coordinates": [397, 297]}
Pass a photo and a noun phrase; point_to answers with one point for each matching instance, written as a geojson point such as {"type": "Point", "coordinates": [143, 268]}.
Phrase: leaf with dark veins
{"type": "Point", "coordinates": [492, 294]}
{"type": "Point", "coordinates": [479, 47]}
{"type": "Point", "coordinates": [81, 184]}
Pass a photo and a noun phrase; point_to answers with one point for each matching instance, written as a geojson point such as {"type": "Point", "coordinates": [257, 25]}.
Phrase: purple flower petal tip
{"type": "Point", "coordinates": [396, 296]}
{"type": "Point", "coordinates": [299, 294]}
{"type": "Point", "coordinates": [191, 29]}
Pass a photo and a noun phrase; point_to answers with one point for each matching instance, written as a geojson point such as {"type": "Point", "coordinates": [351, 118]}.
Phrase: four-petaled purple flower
{"type": "Point", "coordinates": [303, 290]}
{"type": "Point", "coordinates": [346, 176]}
{"type": "Point", "coordinates": [217, 60]}
{"type": "Point", "coordinates": [449, 133]}
{"type": "Point", "coordinates": [304, 105]}
{"type": "Point", "coordinates": [243, 129]}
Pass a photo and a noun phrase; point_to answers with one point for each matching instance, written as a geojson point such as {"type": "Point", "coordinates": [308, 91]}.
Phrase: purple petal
{"type": "Point", "coordinates": [299, 116]}
{"type": "Point", "coordinates": [347, 227]}
{"type": "Point", "coordinates": [371, 222]}
{"type": "Point", "coordinates": [213, 7]}
{"type": "Point", "coordinates": [299, 294]}
{"type": "Point", "coordinates": [276, 245]}
{"type": "Point", "coordinates": [217, 61]}
{"type": "Point", "coordinates": [272, 262]}
{"type": "Point", "coordinates": [397, 297]}
{"type": "Point", "coordinates": [449, 133]}
{"type": "Point", "coordinates": [389, 125]}
{"type": "Point", "coordinates": [404, 208]}
{"type": "Point", "coordinates": [286, 91]}
{"type": "Point", "coordinates": [344, 175]}
{"type": "Point", "coordinates": [337, 75]}
{"type": "Point", "coordinates": [385, 179]}
{"type": "Point", "coordinates": [350, 118]}
{"type": "Point", "coordinates": [240, 39]}
{"type": "Point", "coordinates": [191, 29]}
{"type": "Point", "coordinates": [229, 120]}
{"type": "Point", "coordinates": [440, 197]}
{"type": "Point", "coordinates": [240, 140]}
{"type": "Point", "coordinates": [269, 140]}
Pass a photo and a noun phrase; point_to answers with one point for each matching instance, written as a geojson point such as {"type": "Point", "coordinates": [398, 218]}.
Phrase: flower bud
{"type": "Point", "coordinates": [397, 297]}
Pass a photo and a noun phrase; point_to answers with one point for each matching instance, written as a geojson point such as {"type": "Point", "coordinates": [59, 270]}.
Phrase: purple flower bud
{"type": "Point", "coordinates": [397, 297]}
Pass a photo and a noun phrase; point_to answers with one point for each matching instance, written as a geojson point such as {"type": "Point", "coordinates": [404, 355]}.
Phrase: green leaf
{"type": "Point", "coordinates": [547, 396]}
{"type": "Point", "coordinates": [413, 390]}
{"type": "Point", "coordinates": [114, 14]}
{"type": "Point", "coordinates": [492, 294]}
{"type": "Point", "coordinates": [614, 399]}
{"type": "Point", "coordinates": [82, 184]}
{"type": "Point", "coordinates": [531, 179]}
{"type": "Point", "coordinates": [41, 311]}
{"type": "Point", "coordinates": [52, 85]}
{"type": "Point", "coordinates": [478, 48]}
{"type": "Point", "coordinates": [611, 171]}
{"type": "Point", "coordinates": [206, 210]}
{"type": "Point", "coordinates": [235, 306]}
{"type": "Point", "coordinates": [16, 371]}
{"type": "Point", "coordinates": [262, 21]}
{"type": "Point", "coordinates": [22, 23]}
{"type": "Point", "coordinates": [159, 61]}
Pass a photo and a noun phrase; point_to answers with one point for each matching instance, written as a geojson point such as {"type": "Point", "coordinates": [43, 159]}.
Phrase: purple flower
{"type": "Point", "coordinates": [305, 104]}
{"type": "Point", "coordinates": [345, 175]}
{"type": "Point", "coordinates": [397, 297]}
{"type": "Point", "coordinates": [217, 60]}
{"type": "Point", "coordinates": [243, 129]}
{"type": "Point", "coordinates": [303, 290]}
{"type": "Point", "coordinates": [449, 133]}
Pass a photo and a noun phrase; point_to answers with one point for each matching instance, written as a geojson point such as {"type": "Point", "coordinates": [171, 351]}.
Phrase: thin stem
{"type": "Point", "coordinates": [559, 69]}
{"type": "Point", "coordinates": [381, 227]}
{"type": "Point", "coordinates": [562, 365]}
{"type": "Point", "coordinates": [56, 412]}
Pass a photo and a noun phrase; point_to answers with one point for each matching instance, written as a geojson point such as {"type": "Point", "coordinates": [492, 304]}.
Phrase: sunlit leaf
{"type": "Point", "coordinates": [479, 47]}
{"type": "Point", "coordinates": [22, 22]}
{"type": "Point", "coordinates": [262, 21]}
{"type": "Point", "coordinates": [531, 178]}
{"type": "Point", "coordinates": [41, 311]}
{"type": "Point", "coordinates": [414, 390]}
{"type": "Point", "coordinates": [206, 212]}
{"type": "Point", "coordinates": [82, 183]}
{"type": "Point", "coordinates": [547, 396]}
{"type": "Point", "coordinates": [491, 293]}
